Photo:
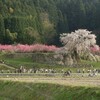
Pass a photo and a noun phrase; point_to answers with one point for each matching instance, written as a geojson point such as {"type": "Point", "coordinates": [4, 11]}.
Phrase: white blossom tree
{"type": "Point", "coordinates": [76, 44]}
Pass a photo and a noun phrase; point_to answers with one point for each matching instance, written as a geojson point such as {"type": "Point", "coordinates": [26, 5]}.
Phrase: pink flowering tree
{"type": "Point", "coordinates": [76, 44]}
{"type": "Point", "coordinates": [28, 48]}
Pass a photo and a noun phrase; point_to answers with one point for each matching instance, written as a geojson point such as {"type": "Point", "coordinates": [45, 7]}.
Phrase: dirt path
{"type": "Point", "coordinates": [7, 66]}
{"type": "Point", "coordinates": [90, 82]}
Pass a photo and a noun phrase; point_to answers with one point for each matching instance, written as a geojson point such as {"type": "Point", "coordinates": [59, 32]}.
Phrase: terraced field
{"type": "Point", "coordinates": [30, 86]}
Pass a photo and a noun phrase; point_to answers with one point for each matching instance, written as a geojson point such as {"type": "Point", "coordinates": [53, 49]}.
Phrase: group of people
{"type": "Point", "coordinates": [69, 72]}
{"type": "Point", "coordinates": [34, 70]}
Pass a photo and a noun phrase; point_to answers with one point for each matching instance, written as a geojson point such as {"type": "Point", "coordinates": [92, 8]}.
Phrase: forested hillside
{"type": "Point", "coordinates": [41, 21]}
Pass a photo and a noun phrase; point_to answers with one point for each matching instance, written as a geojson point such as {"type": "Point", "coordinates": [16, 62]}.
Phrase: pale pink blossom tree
{"type": "Point", "coordinates": [76, 44]}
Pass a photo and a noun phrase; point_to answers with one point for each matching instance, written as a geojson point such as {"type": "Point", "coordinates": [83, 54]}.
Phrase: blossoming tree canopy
{"type": "Point", "coordinates": [76, 43]}
{"type": "Point", "coordinates": [80, 39]}
{"type": "Point", "coordinates": [28, 48]}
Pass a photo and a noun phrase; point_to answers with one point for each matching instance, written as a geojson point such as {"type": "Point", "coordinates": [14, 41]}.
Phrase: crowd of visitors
{"type": "Point", "coordinates": [68, 72]}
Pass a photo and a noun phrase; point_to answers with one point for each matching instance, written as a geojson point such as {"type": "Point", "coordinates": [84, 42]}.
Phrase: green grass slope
{"type": "Point", "coordinates": [28, 62]}
{"type": "Point", "coordinates": [30, 91]}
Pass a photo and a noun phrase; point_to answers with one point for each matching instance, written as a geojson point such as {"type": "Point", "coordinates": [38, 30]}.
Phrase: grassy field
{"type": "Point", "coordinates": [27, 62]}
{"type": "Point", "coordinates": [44, 91]}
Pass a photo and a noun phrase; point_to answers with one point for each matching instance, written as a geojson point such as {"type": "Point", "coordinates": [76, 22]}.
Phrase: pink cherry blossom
{"type": "Point", "coordinates": [28, 48]}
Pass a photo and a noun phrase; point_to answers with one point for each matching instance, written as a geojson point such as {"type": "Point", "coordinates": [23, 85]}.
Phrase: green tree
{"type": "Point", "coordinates": [2, 29]}
{"type": "Point", "coordinates": [10, 38]}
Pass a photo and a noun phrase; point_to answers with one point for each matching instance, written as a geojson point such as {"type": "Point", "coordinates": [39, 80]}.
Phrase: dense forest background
{"type": "Point", "coordinates": [41, 21]}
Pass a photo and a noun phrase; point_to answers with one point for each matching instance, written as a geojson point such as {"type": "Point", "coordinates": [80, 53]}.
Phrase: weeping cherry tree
{"type": "Point", "coordinates": [76, 45]}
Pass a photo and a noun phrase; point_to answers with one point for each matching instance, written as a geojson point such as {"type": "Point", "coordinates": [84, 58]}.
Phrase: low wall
{"type": "Point", "coordinates": [44, 58]}
{"type": "Point", "coordinates": [18, 55]}
{"type": "Point", "coordinates": [36, 57]}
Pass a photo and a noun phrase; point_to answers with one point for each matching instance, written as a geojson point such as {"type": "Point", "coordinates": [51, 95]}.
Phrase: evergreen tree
{"type": "Point", "coordinates": [48, 18]}
{"type": "Point", "coordinates": [2, 29]}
